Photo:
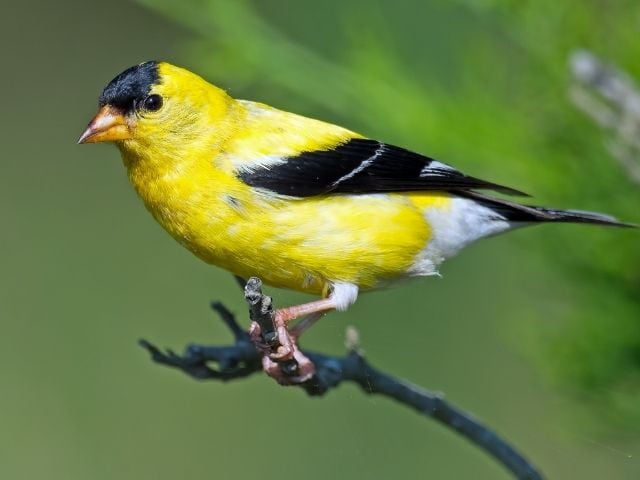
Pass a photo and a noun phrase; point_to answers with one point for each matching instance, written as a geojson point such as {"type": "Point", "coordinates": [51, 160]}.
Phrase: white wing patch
{"type": "Point", "coordinates": [435, 168]}
{"type": "Point", "coordinates": [264, 161]}
{"type": "Point", "coordinates": [454, 227]}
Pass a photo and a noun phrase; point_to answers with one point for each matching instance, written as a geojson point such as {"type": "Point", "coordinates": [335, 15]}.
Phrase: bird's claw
{"type": "Point", "coordinates": [292, 372]}
{"type": "Point", "coordinates": [287, 365]}
{"type": "Point", "coordinates": [287, 347]}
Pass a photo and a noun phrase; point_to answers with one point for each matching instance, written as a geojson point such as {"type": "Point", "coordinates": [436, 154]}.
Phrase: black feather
{"type": "Point", "coordinates": [515, 212]}
{"type": "Point", "coordinates": [131, 86]}
{"type": "Point", "coordinates": [362, 166]}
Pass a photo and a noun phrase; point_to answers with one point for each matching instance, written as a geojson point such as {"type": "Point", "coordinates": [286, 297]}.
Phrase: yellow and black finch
{"type": "Point", "coordinates": [300, 203]}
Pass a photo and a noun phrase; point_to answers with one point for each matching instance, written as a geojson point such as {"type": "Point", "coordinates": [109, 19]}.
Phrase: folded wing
{"type": "Point", "coordinates": [362, 166]}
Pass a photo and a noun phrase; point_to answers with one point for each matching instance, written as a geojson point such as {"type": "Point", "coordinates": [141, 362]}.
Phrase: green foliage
{"type": "Point", "coordinates": [481, 84]}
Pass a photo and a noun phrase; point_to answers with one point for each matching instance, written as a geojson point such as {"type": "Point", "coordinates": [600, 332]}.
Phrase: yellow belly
{"type": "Point", "coordinates": [306, 244]}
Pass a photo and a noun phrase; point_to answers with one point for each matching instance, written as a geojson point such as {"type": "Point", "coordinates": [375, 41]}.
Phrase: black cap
{"type": "Point", "coordinates": [131, 86]}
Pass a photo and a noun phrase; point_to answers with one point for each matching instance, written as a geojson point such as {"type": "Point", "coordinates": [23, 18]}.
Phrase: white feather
{"type": "Point", "coordinates": [433, 167]}
{"type": "Point", "coordinates": [454, 227]}
{"type": "Point", "coordinates": [343, 295]}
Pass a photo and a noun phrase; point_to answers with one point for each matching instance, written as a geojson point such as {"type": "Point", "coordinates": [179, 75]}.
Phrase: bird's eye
{"type": "Point", "coordinates": [152, 103]}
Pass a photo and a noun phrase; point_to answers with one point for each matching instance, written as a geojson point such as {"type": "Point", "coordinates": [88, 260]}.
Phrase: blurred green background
{"type": "Point", "coordinates": [537, 332]}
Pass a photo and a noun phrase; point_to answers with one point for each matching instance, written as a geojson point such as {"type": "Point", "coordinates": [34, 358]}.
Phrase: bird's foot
{"type": "Point", "coordinates": [288, 342]}
{"type": "Point", "coordinates": [282, 359]}
{"type": "Point", "coordinates": [290, 372]}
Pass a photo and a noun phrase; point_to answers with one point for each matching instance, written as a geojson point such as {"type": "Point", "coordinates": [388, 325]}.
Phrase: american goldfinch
{"type": "Point", "coordinates": [302, 204]}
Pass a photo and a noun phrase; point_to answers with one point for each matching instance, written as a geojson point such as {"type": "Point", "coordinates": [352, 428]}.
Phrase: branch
{"type": "Point", "coordinates": [242, 359]}
{"type": "Point", "coordinates": [610, 97]}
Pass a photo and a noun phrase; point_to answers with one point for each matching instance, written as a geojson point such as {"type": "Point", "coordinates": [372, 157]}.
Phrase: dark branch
{"type": "Point", "coordinates": [242, 359]}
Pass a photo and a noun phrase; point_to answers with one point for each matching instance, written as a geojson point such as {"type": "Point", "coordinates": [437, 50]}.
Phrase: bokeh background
{"type": "Point", "coordinates": [537, 333]}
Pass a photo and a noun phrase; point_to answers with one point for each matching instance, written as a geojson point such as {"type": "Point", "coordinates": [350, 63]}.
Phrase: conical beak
{"type": "Point", "coordinates": [108, 125]}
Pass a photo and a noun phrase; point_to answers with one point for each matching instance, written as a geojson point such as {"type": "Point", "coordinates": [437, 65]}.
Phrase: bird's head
{"type": "Point", "coordinates": [157, 107]}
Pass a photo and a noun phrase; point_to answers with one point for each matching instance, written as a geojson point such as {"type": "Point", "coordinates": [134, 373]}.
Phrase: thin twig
{"type": "Point", "coordinates": [612, 100]}
{"type": "Point", "coordinates": [242, 359]}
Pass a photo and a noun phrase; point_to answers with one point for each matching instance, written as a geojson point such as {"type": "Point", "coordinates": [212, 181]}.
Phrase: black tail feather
{"type": "Point", "coordinates": [515, 212]}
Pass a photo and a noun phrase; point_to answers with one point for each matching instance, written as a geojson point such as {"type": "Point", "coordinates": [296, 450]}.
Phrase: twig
{"type": "Point", "coordinates": [611, 99]}
{"type": "Point", "coordinates": [242, 359]}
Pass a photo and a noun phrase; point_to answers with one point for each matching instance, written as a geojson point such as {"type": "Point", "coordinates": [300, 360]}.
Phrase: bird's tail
{"type": "Point", "coordinates": [514, 212]}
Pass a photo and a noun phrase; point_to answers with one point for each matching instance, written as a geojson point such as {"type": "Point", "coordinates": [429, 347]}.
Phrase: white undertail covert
{"type": "Point", "coordinates": [453, 227]}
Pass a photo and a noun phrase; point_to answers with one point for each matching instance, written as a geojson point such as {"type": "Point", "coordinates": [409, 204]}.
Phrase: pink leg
{"type": "Point", "coordinates": [305, 324]}
{"type": "Point", "coordinates": [296, 311]}
{"type": "Point", "coordinates": [283, 316]}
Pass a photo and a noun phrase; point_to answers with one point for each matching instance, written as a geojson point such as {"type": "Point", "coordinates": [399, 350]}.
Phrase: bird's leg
{"type": "Point", "coordinates": [281, 356]}
{"type": "Point", "coordinates": [288, 342]}
{"type": "Point", "coordinates": [305, 323]}
{"type": "Point", "coordinates": [288, 314]}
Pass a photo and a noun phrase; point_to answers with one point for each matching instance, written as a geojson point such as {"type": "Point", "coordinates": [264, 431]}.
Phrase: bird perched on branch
{"type": "Point", "coordinates": [301, 203]}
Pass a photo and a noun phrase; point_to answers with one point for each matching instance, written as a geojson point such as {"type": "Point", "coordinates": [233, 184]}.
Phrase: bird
{"type": "Point", "coordinates": [300, 203]}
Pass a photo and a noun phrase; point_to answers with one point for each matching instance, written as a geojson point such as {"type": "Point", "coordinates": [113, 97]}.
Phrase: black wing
{"type": "Point", "coordinates": [362, 166]}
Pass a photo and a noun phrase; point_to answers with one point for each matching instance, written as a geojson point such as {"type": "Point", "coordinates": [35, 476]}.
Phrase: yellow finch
{"type": "Point", "coordinates": [301, 203]}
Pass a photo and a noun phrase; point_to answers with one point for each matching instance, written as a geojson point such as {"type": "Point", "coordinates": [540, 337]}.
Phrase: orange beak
{"type": "Point", "coordinates": [108, 125]}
